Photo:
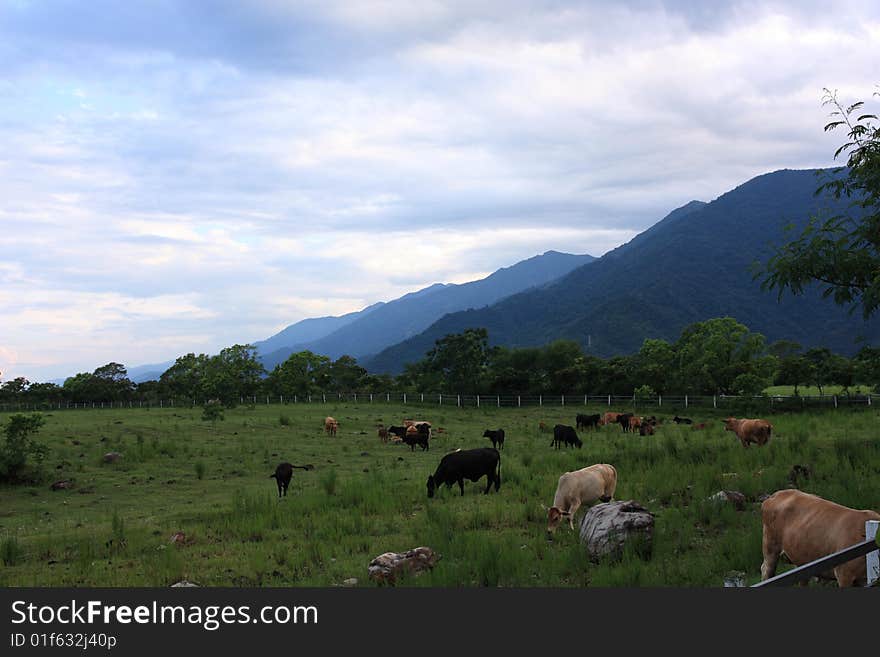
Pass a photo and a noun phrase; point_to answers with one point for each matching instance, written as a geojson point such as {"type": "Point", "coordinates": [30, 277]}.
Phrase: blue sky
{"type": "Point", "coordinates": [182, 176]}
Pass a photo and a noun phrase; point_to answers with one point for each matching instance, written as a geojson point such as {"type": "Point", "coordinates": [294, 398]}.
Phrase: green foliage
{"type": "Point", "coordinates": [20, 446]}
{"type": "Point", "coordinates": [212, 411]}
{"type": "Point", "coordinates": [11, 551]}
{"type": "Point", "coordinates": [840, 252]}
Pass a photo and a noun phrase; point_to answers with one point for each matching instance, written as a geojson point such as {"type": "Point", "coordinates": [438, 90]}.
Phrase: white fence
{"type": "Point", "coordinates": [660, 402]}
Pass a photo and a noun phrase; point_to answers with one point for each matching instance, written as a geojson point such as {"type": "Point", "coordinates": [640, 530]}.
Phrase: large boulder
{"type": "Point", "coordinates": [607, 528]}
{"type": "Point", "coordinates": [386, 568]}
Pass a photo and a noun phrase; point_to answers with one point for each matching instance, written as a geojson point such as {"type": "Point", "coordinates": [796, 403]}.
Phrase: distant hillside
{"type": "Point", "coordinates": [691, 266]}
{"type": "Point", "coordinates": [399, 319]}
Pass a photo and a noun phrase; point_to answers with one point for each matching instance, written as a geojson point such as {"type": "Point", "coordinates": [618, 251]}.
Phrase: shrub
{"type": "Point", "coordinates": [19, 445]}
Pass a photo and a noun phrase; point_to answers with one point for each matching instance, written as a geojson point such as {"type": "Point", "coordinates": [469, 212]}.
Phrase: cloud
{"type": "Point", "coordinates": [186, 176]}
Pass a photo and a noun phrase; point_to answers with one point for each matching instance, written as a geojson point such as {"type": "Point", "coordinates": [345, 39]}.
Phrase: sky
{"type": "Point", "coordinates": [182, 176]}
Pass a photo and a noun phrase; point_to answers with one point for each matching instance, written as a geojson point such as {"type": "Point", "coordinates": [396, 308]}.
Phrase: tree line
{"type": "Point", "coordinates": [716, 356]}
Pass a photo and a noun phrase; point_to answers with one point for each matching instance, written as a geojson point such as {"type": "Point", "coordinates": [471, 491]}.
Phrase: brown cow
{"type": "Point", "coordinates": [330, 426]}
{"type": "Point", "coordinates": [610, 418]}
{"type": "Point", "coordinates": [584, 486]}
{"type": "Point", "coordinates": [749, 431]}
{"type": "Point", "coordinates": [805, 527]}
{"type": "Point", "coordinates": [635, 422]}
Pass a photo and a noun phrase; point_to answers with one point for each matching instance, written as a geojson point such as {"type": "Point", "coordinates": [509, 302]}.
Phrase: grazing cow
{"type": "Point", "coordinates": [497, 437]}
{"type": "Point", "coordinates": [416, 436]}
{"type": "Point", "coordinates": [283, 474]}
{"type": "Point", "coordinates": [610, 418]}
{"type": "Point", "coordinates": [682, 420]}
{"type": "Point", "coordinates": [805, 527]}
{"type": "Point", "coordinates": [330, 426]}
{"type": "Point", "coordinates": [383, 434]}
{"type": "Point", "coordinates": [467, 464]}
{"type": "Point", "coordinates": [635, 422]}
{"type": "Point", "coordinates": [623, 421]}
{"type": "Point", "coordinates": [646, 429]}
{"type": "Point", "coordinates": [584, 486]}
{"type": "Point", "coordinates": [565, 434]}
{"type": "Point", "coordinates": [749, 431]}
{"type": "Point", "coordinates": [584, 421]}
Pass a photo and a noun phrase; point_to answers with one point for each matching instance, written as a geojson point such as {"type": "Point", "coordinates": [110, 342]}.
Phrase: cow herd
{"type": "Point", "coordinates": [801, 526]}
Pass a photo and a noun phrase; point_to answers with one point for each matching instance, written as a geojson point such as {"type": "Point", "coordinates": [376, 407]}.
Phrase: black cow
{"type": "Point", "coordinates": [497, 437]}
{"type": "Point", "coordinates": [467, 464]}
{"type": "Point", "coordinates": [682, 420]}
{"type": "Point", "coordinates": [400, 432]}
{"type": "Point", "coordinates": [565, 434]}
{"type": "Point", "coordinates": [623, 419]}
{"type": "Point", "coordinates": [283, 473]}
{"type": "Point", "coordinates": [420, 437]}
{"type": "Point", "coordinates": [584, 421]}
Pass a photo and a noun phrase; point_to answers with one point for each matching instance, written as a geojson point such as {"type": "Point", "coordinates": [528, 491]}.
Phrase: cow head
{"type": "Point", "coordinates": [431, 486]}
{"type": "Point", "coordinates": [729, 423]}
{"type": "Point", "coordinates": [554, 517]}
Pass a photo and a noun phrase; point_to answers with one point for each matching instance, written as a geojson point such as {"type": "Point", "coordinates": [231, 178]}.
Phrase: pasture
{"type": "Point", "coordinates": [210, 481]}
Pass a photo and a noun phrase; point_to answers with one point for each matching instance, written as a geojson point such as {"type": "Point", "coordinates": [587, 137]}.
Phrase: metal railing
{"type": "Point", "coordinates": [868, 548]}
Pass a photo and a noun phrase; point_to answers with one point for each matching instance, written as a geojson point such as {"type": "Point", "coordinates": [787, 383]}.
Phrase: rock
{"type": "Point", "coordinates": [184, 584]}
{"type": "Point", "coordinates": [178, 538]}
{"type": "Point", "coordinates": [386, 568]}
{"type": "Point", "coordinates": [351, 581]}
{"type": "Point", "coordinates": [735, 579]}
{"type": "Point", "coordinates": [734, 497]}
{"type": "Point", "coordinates": [112, 457]}
{"type": "Point", "coordinates": [607, 528]}
{"type": "Point", "coordinates": [62, 485]}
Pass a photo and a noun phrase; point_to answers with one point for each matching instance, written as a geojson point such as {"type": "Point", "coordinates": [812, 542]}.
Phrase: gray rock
{"type": "Point", "coordinates": [351, 581]}
{"type": "Point", "coordinates": [734, 497]}
{"type": "Point", "coordinates": [184, 584]}
{"type": "Point", "coordinates": [112, 457]}
{"type": "Point", "coordinates": [386, 568]}
{"type": "Point", "coordinates": [607, 528]}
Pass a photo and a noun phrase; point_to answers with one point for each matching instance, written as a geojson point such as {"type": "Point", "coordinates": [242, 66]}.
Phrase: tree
{"type": "Point", "coordinates": [185, 379]}
{"type": "Point", "coordinates": [794, 371]}
{"type": "Point", "coordinates": [461, 360]}
{"type": "Point", "coordinates": [655, 365]}
{"type": "Point", "coordinates": [841, 252]}
{"type": "Point", "coordinates": [712, 354]}
{"type": "Point", "coordinates": [303, 373]}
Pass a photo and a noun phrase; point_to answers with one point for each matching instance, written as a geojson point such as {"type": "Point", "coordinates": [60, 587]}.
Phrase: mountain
{"type": "Point", "coordinates": [409, 315]}
{"type": "Point", "coordinates": [691, 266]}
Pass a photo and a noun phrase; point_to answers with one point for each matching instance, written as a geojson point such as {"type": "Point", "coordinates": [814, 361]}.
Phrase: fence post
{"type": "Point", "coordinates": [563, 400]}
{"type": "Point", "coordinates": [872, 558]}
{"type": "Point", "coordinates": [310, 399]}
{"type": "Point", "coordinates": [440, 403]}
{"type": "Point", "coordinates": [518, 401]}
{"type": "Point", "coordinates": [388, 396]}
{"type": "Point", "coordinates": [499, 401]}
{"type": "Point", "coordinates": [422, 397]}
{"type": "Point", "coordinates": [685, 401]}
{"type": "Point", "coordinates": [659, 400]}
{"type": "Point", "coordinates": [835, 401]}
{"type": "Point", "coordinates": [540, 400]}
{"type": "Point", "coordinates": [323, 398]}
{"type": "Point", "coordinates": [404, 398]}
{"type": "Point", "coordinates": [478, 401]}
{"type": "Point", "coordinates": [459, 400]}
{"type": "Point", "coordinates": [714, 401]}
{"type": "Point", "coordinates": [609, 400]}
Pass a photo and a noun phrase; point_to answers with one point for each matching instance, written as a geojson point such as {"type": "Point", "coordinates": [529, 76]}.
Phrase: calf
{"type": "Point", "coordinates": [497, 437]}
{"type": "Point", "coordinates": [805, 527]}
{"type": "Point", "coordinates": [283, 474]}
{"type": "Point", "coordinates": [584, 486]}
{"type": "Point", "coordinates": [467, 464]}
{"type": "Point", "coordinates": [623, 421]}
{"type": "Point", "coordinates": [400, 432]}
{"type": "Point", "coordinates": [584, 421]}
{"type": "Point", "coordinates": [330, 426]}
{"type": "Point", "coordinates": [565, 434]}
{"type": "Point", "coordinates": [646, 429]}
{"type": "Point", "coordinates": [610, 418]}
{"type": "Point", "coordinates": [682, 420]}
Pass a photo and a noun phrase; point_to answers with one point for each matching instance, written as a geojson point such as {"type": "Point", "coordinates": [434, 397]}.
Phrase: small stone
{"type": "Point", "coordinates": [351, 581]}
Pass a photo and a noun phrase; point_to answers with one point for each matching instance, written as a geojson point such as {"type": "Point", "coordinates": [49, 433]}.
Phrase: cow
{"type": "Point", "coordinates": [584, 421]}
{"type": "Point", "coordinates": [543, 428]}
{"type": "Point", "coordinates": [581, 487]}
{"type": "Point", "coordinates": [806, 527]}
{"type": "Point", "coordinates": [467, 464]}
{"type": "Point", "coordinates": [283, 474]}
{"type": "Point", "coordinates": [497, 437]}
{"type": "Point", "coordinates": [635, 422]}
{"type": "Point", "coordinates": [383, 434]}
{"type": "Point", "coordinates": [400, 432]}
{"type": "Point", "coordinates": [623, 421]}
{"type": "Point", "coordinates": [749, 431]}
{"type": "Point", "coordinates": [682, 420]}
{"type": "Point", "coordinates": [610, 418]}
{"type": "Point", "coordinates": [330, 426]}
{"type": "Point", "coordinates": [565, 434]}
{"type": "Point", "coordinates": [646, 429]}
{"type": "Point", "coordinates": [416, 436]}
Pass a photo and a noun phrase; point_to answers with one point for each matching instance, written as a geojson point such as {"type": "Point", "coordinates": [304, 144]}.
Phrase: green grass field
{"type": "Point", "coordinates": [180, 474]}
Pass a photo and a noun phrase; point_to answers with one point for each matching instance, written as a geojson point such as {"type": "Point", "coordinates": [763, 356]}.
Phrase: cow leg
{"type": "Point", "coordinates": [771, 552]}
{"type": "Point", "coordinates": [572, 510]}
{"type": "Point", "coordinates": [461, 486]}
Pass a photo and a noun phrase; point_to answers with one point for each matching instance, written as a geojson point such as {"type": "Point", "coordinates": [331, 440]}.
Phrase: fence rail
{"type": "Point", "coordinates": [664, 402]}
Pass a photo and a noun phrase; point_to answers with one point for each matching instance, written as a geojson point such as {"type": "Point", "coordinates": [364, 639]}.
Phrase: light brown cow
{"type": "Point", "coordinates": [610, 418]}
{"type": "Point", "coordinates": [805, 527]}
{"type": "Point", "coordinates": [330, 426]}
{"type": "Point", "coordinates": [584, 486]}
{"type": "Point", "coordinates": [635, 423]}
{"type": "Point", "coordinates": [749, 431]}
